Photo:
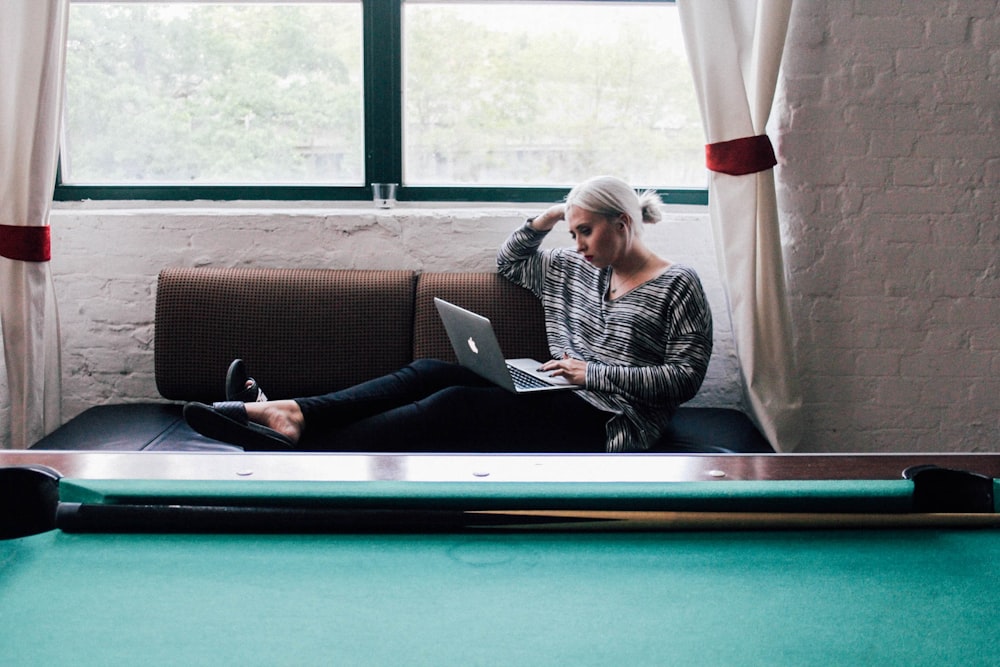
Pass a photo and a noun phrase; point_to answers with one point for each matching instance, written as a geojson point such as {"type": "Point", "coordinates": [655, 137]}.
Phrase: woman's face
{"type": "Point", "coordinates": [599, 238]}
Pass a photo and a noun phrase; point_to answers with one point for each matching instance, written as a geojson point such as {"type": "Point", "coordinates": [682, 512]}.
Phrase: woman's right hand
{"type": "Point", "coordinates": [550, 218]}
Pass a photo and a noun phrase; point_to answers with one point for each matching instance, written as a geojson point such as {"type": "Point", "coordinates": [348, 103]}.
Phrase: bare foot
{"type": "Point", "coordinates": [285, 417]}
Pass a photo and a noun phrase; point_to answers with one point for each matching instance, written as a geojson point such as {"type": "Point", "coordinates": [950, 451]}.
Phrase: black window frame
{"type": "Point", "coordinates": [383, 117]}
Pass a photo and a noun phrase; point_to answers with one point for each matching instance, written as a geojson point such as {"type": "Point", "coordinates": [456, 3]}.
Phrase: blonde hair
{"type": "Point", "coordinates": [611, 196]}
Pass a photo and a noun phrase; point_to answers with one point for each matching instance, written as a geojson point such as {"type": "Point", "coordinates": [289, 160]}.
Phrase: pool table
{"type": "Point", "coordinates": [333, 559]}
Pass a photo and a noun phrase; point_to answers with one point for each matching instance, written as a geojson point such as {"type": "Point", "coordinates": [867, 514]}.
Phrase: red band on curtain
{"type": "Point", "coordinates": [739, 157]}
{"type": "Point", "coordinates": [26, 244]}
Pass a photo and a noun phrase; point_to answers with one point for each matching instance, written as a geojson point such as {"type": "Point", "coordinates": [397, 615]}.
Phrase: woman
{"type": "Point", "coordinates": [631, 328]}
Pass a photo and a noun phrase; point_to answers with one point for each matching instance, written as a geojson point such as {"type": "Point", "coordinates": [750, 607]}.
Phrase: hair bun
{"type": "Point", "coordinates": [651, 206]}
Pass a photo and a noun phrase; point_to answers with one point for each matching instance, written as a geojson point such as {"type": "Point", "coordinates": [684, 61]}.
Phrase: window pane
{"type": "Point", "coordinates": [198, 93]}
{"type": "Point", "coordinates": [548, 94]}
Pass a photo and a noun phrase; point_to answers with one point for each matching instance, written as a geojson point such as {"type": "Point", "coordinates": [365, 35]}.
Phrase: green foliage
{"type": "Point", "coordinates": [214, 93]}
{"type": "Point", "coordinates": [543, 103]}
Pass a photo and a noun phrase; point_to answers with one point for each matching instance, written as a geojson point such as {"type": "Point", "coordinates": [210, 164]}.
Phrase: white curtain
{"type": "Point", "coordinates": [735, 49]}
{"type": "Point", "coordinates": [32, 61]}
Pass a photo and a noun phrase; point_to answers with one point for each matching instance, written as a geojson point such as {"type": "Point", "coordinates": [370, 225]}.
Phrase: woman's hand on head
{"type": "Point", "coordinates": [574, 370]}
{"type": "Point", "coordinates": [550, 218]}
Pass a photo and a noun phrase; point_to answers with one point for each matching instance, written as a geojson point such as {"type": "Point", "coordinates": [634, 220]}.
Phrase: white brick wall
{"type": "Point", "coordinates": [890, 166]}
{"type": "Point", "coordinates": [888, 190]}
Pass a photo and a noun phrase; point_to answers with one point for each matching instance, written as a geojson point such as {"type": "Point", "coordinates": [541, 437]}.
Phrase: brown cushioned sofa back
{"type": "Point", "coordinates": [301, 331]}
{"type": "Point", "coordinates": [307, 331]}
{"type": "Point", "coordinates": [515, 312]}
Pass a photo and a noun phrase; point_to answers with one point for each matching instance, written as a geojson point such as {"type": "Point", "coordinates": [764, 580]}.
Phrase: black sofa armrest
{"type": "Point", "coordinates": [131, 427]}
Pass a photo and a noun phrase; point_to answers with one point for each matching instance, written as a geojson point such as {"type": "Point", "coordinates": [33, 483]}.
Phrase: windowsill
{"type": "Point", "coordinates": [310, 206]}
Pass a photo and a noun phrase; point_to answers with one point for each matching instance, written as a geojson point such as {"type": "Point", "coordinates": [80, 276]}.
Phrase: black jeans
{"type": "Point", "coordinates": [434, 406]}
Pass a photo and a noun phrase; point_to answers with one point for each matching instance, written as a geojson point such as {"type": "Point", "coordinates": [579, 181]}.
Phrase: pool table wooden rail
{"type": "Point", "coordinates": [492, 468]}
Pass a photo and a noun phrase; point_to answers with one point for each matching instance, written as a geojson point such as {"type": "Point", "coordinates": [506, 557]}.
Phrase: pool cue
{"type": "Point", "coordinates": [665, 521]}
{"type": "Point", "coordinates": [74, 517]}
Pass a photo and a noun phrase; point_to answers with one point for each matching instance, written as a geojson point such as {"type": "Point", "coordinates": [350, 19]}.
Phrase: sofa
{"type": "Point", "coordinates": [308, 331]}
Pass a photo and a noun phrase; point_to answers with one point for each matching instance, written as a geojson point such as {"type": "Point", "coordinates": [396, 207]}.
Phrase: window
{"type": "Point", "coordinates": [196, 94]}
{"type": "Point", "coordinates": [510, 101]}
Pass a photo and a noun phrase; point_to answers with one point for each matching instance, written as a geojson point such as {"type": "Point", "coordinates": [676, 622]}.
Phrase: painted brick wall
{"type": "Point", "coordinates": [890, 167]}
{"type": "Point", "coordinates": [886, 130]}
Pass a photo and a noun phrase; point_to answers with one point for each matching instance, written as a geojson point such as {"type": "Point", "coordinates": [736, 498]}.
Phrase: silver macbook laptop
{"type": "Point", "coordinates": [477, 349]}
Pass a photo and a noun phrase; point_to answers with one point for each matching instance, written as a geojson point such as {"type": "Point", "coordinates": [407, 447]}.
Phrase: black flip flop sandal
{"type": "Point", "coordinates": [237, 387]}
{"type": "Point", "coordinates": [228, 422]}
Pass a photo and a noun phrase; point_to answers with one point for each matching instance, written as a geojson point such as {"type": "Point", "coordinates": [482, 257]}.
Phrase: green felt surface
{"type": "Point", "coordinates": [812, 495]}
{"type": "Point", "coordinates": [919, 597]}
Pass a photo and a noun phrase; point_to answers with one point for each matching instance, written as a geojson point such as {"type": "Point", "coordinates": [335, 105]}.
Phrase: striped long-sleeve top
{"type": "Point", "coordinates": [646, 351]}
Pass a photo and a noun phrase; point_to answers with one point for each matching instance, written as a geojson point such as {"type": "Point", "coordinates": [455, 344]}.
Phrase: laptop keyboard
{"type": "Point", "coordinates": [524, 380]}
